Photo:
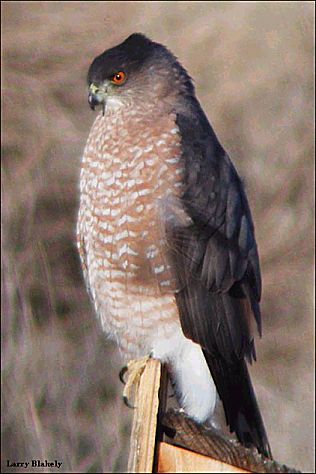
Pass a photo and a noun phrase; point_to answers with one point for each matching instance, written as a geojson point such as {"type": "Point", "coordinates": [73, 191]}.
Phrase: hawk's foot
{"type": "Point", "coordinates": [134, 370]}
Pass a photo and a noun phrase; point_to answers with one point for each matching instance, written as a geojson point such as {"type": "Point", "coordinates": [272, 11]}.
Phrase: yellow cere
{"type": "Point", "coordinates": [93, 88]}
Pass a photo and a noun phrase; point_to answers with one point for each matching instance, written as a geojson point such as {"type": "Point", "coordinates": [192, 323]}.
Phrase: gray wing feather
{"type": "Point", "coordinates": [216, 263]}
{"type": "Point", "coordinates": [216, 257]}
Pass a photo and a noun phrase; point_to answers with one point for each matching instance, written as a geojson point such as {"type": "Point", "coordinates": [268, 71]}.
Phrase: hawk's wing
{"type": "Point", "coordinates": [216, 262]}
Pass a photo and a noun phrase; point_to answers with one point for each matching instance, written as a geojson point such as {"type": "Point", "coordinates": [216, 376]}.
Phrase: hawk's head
{"type": "Point", "coordinates": [136, 70]}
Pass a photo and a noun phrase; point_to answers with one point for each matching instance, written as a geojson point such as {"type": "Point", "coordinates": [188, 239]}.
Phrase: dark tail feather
{"type": "Point", "coordinates": [241, 409]}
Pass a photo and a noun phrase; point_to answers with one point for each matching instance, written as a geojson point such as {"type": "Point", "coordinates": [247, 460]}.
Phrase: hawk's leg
{"type": "Point", "coordinates": [134, 370]}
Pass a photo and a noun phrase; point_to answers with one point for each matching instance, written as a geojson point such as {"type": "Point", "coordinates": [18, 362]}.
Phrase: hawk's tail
{"type": "Point", "coordinates": [241, 409]}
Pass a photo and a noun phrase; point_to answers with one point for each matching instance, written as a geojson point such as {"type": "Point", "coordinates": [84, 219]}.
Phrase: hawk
{"type": "Point", "coordinates": [166, 237]}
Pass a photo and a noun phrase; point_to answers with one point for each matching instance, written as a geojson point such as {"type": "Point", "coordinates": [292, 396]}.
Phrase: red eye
{"type": "Point", "coordinates": [119, 78]}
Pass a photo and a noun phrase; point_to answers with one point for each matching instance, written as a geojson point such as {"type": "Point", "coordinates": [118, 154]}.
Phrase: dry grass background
{"type": "Point", "coordinates": [253, 68]}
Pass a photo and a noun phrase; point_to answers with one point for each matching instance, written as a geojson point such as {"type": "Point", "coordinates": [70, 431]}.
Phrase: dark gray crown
{"type": "Point", "coordinates": [127, 56]}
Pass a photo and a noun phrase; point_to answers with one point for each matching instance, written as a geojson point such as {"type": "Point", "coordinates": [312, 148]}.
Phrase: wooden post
{"type": "Point", "coordinates": [175, 459]}
{"type": "Point", "coordinates": [190, 447]}
{"type": "Point", "coordinates": [143, 437]}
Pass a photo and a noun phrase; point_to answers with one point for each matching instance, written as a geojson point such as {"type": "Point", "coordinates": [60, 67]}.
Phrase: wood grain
{"type": "Point", "coordinates": [206, 440]}
{"type": "Point", "coordinates": [143, 436]}
{"type": "Point", "coordinates": [175, 459]}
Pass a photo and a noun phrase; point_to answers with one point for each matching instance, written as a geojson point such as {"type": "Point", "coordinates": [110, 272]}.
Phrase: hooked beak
{"type": "Point", "coordinates": [93, 101]}
{"type": "Point", "coordinates": [97, 96]}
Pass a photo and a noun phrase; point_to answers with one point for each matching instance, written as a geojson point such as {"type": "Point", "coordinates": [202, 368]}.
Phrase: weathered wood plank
{"type": "Point", "coordinates": [206, 440]}
{"type": "Point", "coordinates": [143, 436]}
{"type": "Point", "coordinates": [175, 459]}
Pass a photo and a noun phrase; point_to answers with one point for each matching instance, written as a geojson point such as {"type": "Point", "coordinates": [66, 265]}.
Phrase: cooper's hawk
{"type": "Point", "coordinates": [165, 234]}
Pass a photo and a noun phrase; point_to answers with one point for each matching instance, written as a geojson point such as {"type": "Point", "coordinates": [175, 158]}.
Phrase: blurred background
{"type": "Point", "coordinates": [253, 66]}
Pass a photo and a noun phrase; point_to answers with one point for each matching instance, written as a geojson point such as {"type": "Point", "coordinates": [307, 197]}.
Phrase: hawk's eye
{"type": "Point", "coordinates": [119, 78]}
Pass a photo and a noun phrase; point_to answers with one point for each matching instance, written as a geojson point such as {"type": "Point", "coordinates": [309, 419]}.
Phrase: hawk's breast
{"type": "Point", "coordinates": [131, 178]}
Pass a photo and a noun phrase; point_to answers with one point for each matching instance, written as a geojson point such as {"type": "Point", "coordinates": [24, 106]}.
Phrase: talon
{"type": "Point", "coordinates": [127, 403]}
{"type": "Point", "coordinates": [122, 373]}
{"type": "Point", "coordinates": [134, 371]}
